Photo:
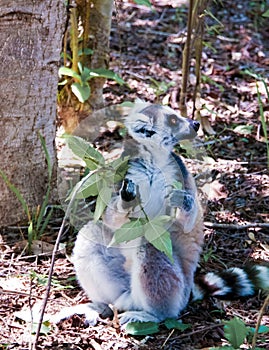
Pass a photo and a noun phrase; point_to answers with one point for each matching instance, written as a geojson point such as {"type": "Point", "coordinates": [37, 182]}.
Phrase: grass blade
{"type": "Point", "coordinates": [17, 193]}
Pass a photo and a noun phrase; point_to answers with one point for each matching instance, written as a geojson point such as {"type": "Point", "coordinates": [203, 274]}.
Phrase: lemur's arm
{"type": "Point", "coordinates": [118, 211]}
{"type": "Point", "coordinates": [186, 199]}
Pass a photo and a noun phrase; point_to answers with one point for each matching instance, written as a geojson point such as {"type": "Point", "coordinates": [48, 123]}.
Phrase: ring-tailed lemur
{"type": "Point", "coordinates": [136, 277]}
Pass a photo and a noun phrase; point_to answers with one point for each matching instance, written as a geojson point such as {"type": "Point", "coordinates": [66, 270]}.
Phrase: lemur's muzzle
{"type": "Point", "coordinates": [194, 124]}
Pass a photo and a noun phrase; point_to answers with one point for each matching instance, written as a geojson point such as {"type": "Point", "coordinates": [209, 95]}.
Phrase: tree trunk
{"type": "Point", "coordinates": [30, 46]}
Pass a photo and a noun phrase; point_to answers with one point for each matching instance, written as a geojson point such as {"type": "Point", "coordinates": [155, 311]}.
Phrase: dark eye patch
{"type": "Point", "coordinates": [172, 120]}
{"type": "Point", "coordinates": [146, 132]}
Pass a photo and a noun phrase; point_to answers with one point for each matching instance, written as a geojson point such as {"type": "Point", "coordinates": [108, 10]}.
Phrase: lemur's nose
{"type": "Point", "coordinates": [195, 124]}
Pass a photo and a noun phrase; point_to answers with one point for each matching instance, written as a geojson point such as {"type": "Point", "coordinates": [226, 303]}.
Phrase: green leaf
{"type": "Point", "coordinates": [30, 233]}
{"type": "Point", "coordinates": [104, 73]}
{"type": "Point", "coordinates": [120, 167]}
{"type": "Point", "coordinates": [45, 202]}
{"type": "Point", "coordinates": [48, 160]}
{"type": "Point", "coordinates": [224, 347]}
{"type": "Point", "coordinates": [266, 13]}
{"type": "Point", "coordinates": [82, 92]}
{"type": "Point", "coordinates": [102, 201]}
{"type": "Point", "coordinates": [41, 228]}
{"type": "Point", "coordinates": [89, 187]}
{"type": "Point", "coordinates": [127, 104]}
{"type": "Point", "coordinates": [172, 323]}
{"type": "Point", "coordinates": [17, 193]}
{"type": "Point", "coordinates": [142, 328]}
{"type": "Point", "coordinates": [262, 329]}
{"type": "Point", "coordinates": [244, 129]}
{"type": "Point", "coordinates": [177, 185]}
{"type": "Point", "coordinates": [158, 236]}
{"type": "Point", "coordinates": [85, 151]}
{"type": "Point", "coordinates": [162, 242]}
{"type": "Point", "coordinates": [85, 51]}
{"type": "Point", "coordinates": [129, 231]}
{"type": "Point", "coordinates": [235, 332]}
{"type": "Point", "coordinates": [143, 2]}
{"type": "Point", "coordinates": [70, 73]}
{"type": "Point", "coordinates": [45, 327]}
{"type": "Point", "coordinates": [61, 83]}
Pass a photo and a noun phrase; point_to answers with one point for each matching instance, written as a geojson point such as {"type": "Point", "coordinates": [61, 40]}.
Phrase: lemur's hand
{"type": "Point", "coordinates": [181, 199]}
{"type": "Point", "coordinates": [128, 190]}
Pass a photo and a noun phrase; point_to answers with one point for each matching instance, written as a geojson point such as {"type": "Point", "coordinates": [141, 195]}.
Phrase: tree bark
{"type": "Point", "coordinates": [30, 46]}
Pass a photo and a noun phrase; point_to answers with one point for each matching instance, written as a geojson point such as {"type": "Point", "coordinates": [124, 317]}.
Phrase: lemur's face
{"type": "Point", "coordinates": [156, 124]}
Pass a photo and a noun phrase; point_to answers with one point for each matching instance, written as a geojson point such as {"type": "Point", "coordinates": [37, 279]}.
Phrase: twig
{"type": "Point", "coordinates": [203, 329]}
{"type": "Point", "coordinates": [262, 311]}
{"type": "Point", "coordinates": [237, 226]}
{"type": "Point", "coordinates": [6, 291]}
{"type": "Point", "coordinates": [95, 345]}
{"type": "Point", "coordinates": [46, 297]}
{"type": "Point", "coordinates": [169, 336]}
{"type": "Point", "coordinates": [186, 62]}
{"type": "Point", "coordinates": [53, 258]}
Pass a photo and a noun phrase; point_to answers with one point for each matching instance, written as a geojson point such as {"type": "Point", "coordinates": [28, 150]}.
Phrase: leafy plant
{"type": "Point", "coordinates": [146, 328]}
{"type": "Point", "coordinates": [208, 255]}
{"type": "Point", "coordinates": [160, 88]}
{"type": "Point", "coordinates": [42, 280]}
{"type": "Point", "coordinates": [263, 119]}
{"type": "Point", "coordinates": [102, 175]}
{"type": "Point", "coordinates": [99, 183]}
{"type": "Point", "coordinates": [207, 79]}
{"type": "Point", "coordinates": [80, 87]}
{"type": "Point", "coordinates": [143, 2]}
{"type": "Point", "coordinates": [152, 229]}
{"type": "Point", "coordinates": [36, 224]}
{"type": "Point", "coordinates": [79, 75]}
{"type": "Point", "coordinates": [236, 332]}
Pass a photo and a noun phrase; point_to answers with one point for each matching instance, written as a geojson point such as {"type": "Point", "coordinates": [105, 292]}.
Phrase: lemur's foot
{"type": "Point", "coordinates": [136, 316]}
{"type": "Point", "coordinates": [92, 312]}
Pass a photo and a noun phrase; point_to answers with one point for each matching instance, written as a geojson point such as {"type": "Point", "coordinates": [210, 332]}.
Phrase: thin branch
{"type": "Point", "coordinates": [202, 330]}
{"type": "Point", "coordinates": [74, 38]}
{"type": "Point", "coordinates": [53, 258]}
{"type": "Point", "coordinates": [262, 311]}
{"type": "Point", "coordinates": [237, 226]}
{"type": "Point", "coordinates": [186, 62]}
{"type": "Point", "coordinates": [46, 297]}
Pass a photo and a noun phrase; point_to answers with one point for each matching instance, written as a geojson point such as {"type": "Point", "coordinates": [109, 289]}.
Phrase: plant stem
{"type": "Point", "coordinates": [262, 311]}
{"type": "Point", "coordinates": [53, 258]}
{"type": "Point", "coordinates": [186, 63]}
{"type": "Point", "coordinates": [74, 38]}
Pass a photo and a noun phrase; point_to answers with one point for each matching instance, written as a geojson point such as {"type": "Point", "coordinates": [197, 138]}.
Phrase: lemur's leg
{"type": "Point", "coordinates": [100, 269]}
{"type": "Point", "coordinates": [158, 287]}
{"type": "Point", "coordinates": [92, 311]}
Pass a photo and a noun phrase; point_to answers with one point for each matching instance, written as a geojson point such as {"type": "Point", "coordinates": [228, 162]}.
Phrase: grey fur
{"type": "Point", "coordinates": [135, 277]}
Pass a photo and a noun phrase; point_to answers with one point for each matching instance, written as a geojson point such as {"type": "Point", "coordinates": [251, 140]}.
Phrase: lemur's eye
{"type": "Point", "coordinates": [172, 120]}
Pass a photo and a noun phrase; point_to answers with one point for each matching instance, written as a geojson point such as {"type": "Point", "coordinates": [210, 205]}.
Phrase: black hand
{"type": "Point", "coordinates": [181, 199]}
{"type": "Point", "coordinates": [128, 190]}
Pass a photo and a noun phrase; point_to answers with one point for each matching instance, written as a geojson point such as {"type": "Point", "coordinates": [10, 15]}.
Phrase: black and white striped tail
{"type": "Point", "coordinates": [232, 283]}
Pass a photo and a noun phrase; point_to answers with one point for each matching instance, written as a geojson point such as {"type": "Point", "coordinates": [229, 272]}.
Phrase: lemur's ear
{"type": "Point", "coordinates": [139, 105]}
{"type": "Point", "coordinates": [138, 100]}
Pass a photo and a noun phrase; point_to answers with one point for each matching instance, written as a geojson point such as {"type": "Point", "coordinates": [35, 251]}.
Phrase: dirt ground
{"type": "Point", "coordinates": [146, 50]}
